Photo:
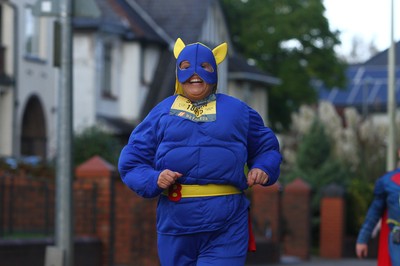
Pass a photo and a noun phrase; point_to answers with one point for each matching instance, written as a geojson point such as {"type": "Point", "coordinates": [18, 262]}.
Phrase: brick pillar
{"type": "Point", "coordinates": [135, 232]}
{"type": "Point", "coordinates": [332, 227]}
{"type": "Point", "coordinates": [297, 219]}
{"type": "Point", "coordinates": [265, 212]}
{"type": "Point", "coordinates": [103, 174]}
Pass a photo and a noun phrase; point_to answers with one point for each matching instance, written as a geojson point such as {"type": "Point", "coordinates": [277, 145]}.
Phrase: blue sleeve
{"type": "Point", "coordinates": [374, 213]}
{"type": "Point", "coordinates": [136, 159]}
{"type": "Point", "coordinates": [263, 148]}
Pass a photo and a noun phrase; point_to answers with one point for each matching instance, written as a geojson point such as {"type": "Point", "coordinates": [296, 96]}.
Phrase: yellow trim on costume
{"type": "Point", "coordinates": [392, 221]}
{"type": "Point", "coordinates": [178, 87]}
{"type": "Point", "coordinates": [209, 190]}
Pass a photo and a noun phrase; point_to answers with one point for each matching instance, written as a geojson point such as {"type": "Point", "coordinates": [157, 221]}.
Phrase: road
{"type": "Point", "coordinates": [315, 261]}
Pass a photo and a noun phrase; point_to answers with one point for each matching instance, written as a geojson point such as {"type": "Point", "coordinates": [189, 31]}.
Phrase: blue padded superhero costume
{"type": "Point", "coordinates": [205, 153]}
{"type": "Point", "coordinates": [209, 148]}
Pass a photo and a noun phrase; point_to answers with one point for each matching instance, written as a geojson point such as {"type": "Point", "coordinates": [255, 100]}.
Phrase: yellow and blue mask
{"type": "Point", "coordinates": [197, 54]}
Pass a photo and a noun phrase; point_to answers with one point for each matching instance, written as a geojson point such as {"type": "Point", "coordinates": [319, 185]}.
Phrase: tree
{"type": "Point", "coordinates": [291, 40]}
{"type": "Point", "coordinates": [316, 162]}
{"type": "Point", "coordinates": [94, 141]}
{"type": "Point", "coordinates": [349, 150]}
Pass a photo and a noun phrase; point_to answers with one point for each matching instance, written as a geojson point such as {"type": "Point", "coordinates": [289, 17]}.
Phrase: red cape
{"type": "Point", "coordinates": [383, 248]}
{"type": "Point", "coordinates": [252, 240]}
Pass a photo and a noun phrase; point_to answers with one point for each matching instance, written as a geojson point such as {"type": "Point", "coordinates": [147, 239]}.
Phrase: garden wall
{"type": "Point", "coordinates": [114, 226]}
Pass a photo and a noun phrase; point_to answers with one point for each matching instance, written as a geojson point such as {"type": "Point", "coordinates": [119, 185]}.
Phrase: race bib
{"type": "Point", "coordinates": [204, 112]}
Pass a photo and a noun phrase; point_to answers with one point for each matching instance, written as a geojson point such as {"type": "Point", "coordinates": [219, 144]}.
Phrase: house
{"type": "Point", "coordinates": [122, 66]}
{"type": "Point", "coordinates": [28, 105]}
{"type": "Point", "coordinates": [367, 86]}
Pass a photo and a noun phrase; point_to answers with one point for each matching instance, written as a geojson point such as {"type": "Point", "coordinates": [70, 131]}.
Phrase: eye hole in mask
{"type": "Point", "coordinates": [206, 66]}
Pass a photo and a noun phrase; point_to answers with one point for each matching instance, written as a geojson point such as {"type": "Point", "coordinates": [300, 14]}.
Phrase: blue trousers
{"type": "Point", "coordinates": [225, 247]}
{"type": "Point", "coordinates": [394, 251]}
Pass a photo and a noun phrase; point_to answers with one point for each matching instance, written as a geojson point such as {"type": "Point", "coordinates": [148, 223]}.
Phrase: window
{"type": "Point", "coordinates": [34, 34]}
{"type": "Point", "coordinates": [106, 75]}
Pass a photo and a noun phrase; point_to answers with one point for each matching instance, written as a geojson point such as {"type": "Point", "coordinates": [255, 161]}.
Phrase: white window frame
{"type": "Point", "coordinates": [35, 37]}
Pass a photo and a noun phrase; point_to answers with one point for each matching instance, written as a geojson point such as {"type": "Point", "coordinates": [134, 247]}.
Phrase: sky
{"type": "Point", "coordinates": [369, 20]}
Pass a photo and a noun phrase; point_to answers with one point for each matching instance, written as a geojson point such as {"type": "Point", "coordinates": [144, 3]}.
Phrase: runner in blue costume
{"type": "Point", "coordinates": [385, 206]}
{"type": "Point", "coordinates": [190, 151]}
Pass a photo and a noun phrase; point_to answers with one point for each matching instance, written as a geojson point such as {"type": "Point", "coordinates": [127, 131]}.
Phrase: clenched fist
{"type": "Point", "coordinates": [167, 178]}
{"type": "Point", "coordinates": [256, 176]}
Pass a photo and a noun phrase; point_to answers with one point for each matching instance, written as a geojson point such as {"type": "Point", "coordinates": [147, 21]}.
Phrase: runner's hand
{"type": "Point", "coordinates": [167, 178]}
{"type": "Point", "coordinates": [256, 176]}
{"type": "Point", "coordinates": [361, 250]}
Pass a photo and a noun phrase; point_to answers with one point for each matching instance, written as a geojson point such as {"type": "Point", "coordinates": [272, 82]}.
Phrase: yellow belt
{"type": "Point", "coordinates": [392, 221]}
{"type": "Point", "coordinates": [191, 191]}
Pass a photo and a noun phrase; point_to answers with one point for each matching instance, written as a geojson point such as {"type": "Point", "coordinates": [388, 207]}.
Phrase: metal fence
{"type": "Point", "coordinates": [27, 207]}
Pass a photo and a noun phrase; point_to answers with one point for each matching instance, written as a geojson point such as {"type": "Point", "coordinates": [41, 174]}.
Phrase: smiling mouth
{"type": "Point", "coordinates": [195, 80]}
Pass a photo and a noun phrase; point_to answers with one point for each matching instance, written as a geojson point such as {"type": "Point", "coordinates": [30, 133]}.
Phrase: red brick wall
{"type": "Point", "coordinates": [287, 212]}
{"type": "Point", "coordinates": [23, 203]}
{"type": "Point", "coordinates": [135, 229]}
{"type": "Point", "coordinates": [126, 223]}
{"type": "Point", "coordinates": [265, 212]}
{"type": "Point", "coordinates": [296, 217]}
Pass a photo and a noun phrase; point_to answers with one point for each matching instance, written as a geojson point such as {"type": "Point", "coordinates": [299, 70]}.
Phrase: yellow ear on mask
{"type": "Point", "coordinates": [220, 52]}
{"type": "Point", "coordinates": [179, 45]}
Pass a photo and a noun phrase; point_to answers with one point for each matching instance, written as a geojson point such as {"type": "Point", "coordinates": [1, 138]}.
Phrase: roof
{"type": "Point", "coordinates": [177, 18]}
{"type": "Point", "coordinates": [367, 85]}
{"type": "Point", "coordinates": [240, 69]}
{"type": "Point", "coordinates": [116, 125]}
{"type": "Point", "coordinates": [120, 18]}
{"type": "Point", "coordinates": [138, 21]}
{"type": "Point", "coordinates": [108, 18]}
{"type": "Point", "coordinates": [381, 59]}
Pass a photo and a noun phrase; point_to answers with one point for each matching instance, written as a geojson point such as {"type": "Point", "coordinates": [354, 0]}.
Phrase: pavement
{"type": "Point", "coordinates": [316, 261]}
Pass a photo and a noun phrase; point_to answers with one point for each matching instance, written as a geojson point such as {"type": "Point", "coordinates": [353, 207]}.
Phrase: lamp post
{"type": "Point", "coordinates": [64, 200]}
{"type": "Point", "coordinates": [391, 103]}
{"type": "Point", "coordinates": [63, 252]}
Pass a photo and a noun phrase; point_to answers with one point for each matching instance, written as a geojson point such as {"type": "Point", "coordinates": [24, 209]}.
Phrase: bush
{"type": "Point", "coordinates": [94, 141]}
